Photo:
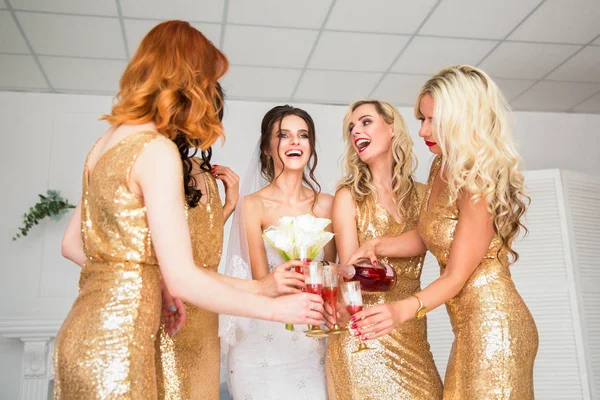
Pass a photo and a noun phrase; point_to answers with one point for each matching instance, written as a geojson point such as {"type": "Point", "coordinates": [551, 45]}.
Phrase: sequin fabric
{"type": "Point", "coordinates": [188, 364]}
{"type": "Point", "coordinates": [105, 347]}
{"type": "Point", "coordinates": [401, 366]}
{"type": "Point", "coordinates": [496, 339]}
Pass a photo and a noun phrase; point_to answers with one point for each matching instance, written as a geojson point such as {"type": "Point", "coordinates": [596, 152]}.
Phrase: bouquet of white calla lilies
{"type": "Point", "coordinates": [302, 236]}
{"type": "Point", "coordinates": [299, 238]}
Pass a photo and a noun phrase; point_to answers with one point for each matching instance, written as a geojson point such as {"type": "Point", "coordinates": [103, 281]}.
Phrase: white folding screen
{"type": "Point", "coordinates": [582, 205]}
{"type": "Point", "coordinates": [558, 275]}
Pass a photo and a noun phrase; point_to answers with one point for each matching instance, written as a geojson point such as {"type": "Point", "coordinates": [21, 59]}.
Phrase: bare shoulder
{"type": "Point", "coordinates": [343, 203]}
{"type": "Point", "coordinates": [163, 148]}
{"type": "Point", "coordinates": [159, 158]}
{"type": "Point", "coordinates": [325, 200]}
{"type": "Point", "coordinates": [324, 205]}
{"type": "Point", "coordinates": [253, 203]}
{"type": "Point", "coordinates": [343, 196]}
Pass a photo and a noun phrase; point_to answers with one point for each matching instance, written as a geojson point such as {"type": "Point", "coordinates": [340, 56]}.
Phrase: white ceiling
{"type": "Point", "coordinates": [544, 54]}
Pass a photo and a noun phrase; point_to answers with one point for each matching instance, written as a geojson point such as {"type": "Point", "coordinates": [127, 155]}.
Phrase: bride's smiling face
{"type": "Point", "coordinates": [289, 146]}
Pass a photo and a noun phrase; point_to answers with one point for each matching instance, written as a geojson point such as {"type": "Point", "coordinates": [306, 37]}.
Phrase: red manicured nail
{"type": "Point", "coordinates": [364, 338]}
{"type": "Point", "coordinates": [353, 318]}
{"type": "Point", "coordinates": [374, 262]}
{"type": "Point", "coordinates": [354, 326]}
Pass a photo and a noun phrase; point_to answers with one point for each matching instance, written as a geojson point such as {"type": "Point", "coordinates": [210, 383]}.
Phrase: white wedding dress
{"type": "Point", "coordinates": [269, 362]}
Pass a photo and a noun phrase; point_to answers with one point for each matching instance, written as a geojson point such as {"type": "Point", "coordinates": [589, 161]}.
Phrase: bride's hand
{"type": "Point", "coordinates": [282, 280]}
{"type": "Point", "coordinates": [301, 308]}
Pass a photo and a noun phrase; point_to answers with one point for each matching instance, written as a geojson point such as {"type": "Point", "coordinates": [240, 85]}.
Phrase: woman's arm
{"type": "Point", "coordinates": [278, 282]}
{"type": "Point", "coordinates": [160, 186]}
{"type": "Point", "coordinates": [72, 244]}
{"type": "Point", "coordinates": [282, 280]}
{"type": "Point", "coordinates": [472, 238]}
{"type": "Point", "coordinates": [253, 212]}
{"type": "Point", "coordinates": [325, 209]}
{"type": "Point", "coordinates": [407, 244]}
{"type": "Point", "coordinates": [344, 224]}
{"type": "Point", "coordinates": [346, 240]}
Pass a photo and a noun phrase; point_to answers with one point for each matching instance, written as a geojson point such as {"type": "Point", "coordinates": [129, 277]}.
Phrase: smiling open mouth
{"type": "Point", "coordinates": [362, 144]}
{"type": "Point", "coordinates": [293, 153]}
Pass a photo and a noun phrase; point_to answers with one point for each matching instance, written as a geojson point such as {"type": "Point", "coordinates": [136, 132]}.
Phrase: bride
{"type": "Point", "coordinates": [265, 360]}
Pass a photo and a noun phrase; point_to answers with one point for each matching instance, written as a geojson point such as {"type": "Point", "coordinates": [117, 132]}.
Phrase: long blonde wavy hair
{"type": "Point", "coordinates": [474, 129]}
{"type": "Point", "coordinates": [357, 176]}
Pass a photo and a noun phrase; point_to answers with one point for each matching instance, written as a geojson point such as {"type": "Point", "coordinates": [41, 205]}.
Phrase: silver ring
{"type": "Point", "coordinates": [315, 306]}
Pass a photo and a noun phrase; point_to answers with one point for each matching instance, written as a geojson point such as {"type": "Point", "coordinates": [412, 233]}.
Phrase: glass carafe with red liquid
{"type": "Point", "coordinates": [379, 277]}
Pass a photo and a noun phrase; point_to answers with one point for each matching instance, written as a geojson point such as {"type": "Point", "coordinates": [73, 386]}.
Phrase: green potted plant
{"type": "Point", "coordinates": [51, 205]}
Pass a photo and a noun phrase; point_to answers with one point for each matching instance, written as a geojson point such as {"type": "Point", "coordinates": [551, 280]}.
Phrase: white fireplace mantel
{"type": "Point", "coordinates": [37, 336]}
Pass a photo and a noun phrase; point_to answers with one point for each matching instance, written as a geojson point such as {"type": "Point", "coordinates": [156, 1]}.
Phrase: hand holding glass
{"type": "Point", "coordinates": [354, 303]}
{"type": "Point", "coordinates": [313, 278]}
{"type": "Point", "coordinates": [330, 294]}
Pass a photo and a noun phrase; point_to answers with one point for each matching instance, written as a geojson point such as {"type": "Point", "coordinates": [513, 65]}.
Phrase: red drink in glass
{"type": "Point", "coordinates": [330, 295]}
{"type": "Point", "coordinates": [314, 288]}
{"type": "Point", "coordinates": [305, 261]}
{"type": "Point", "coordinates": [354, 309]}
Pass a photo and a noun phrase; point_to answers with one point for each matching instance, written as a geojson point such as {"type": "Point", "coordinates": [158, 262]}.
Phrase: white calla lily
{"type": "Point", "coordinates": [309, 223]}
{"type": "Point", "coordinates": [300, 236]}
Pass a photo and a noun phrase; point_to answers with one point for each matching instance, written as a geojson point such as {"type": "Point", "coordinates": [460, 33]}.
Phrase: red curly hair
{"type": "Point", "coordinates": [171, 81]}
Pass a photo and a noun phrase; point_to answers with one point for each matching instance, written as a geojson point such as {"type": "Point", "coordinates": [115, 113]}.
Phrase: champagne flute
{"type": "Point", "coordinates": [354, 303]}
{"type": "Point", "coordinates": [302, 253]}
{"type": "Point", "coordinates": [313, 277]}
{"type": "Point", "coordinates": [330, 293]}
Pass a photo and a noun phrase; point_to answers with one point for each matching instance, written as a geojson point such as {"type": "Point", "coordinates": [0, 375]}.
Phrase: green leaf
{"type": "Point", "coordinates": [52, 205]}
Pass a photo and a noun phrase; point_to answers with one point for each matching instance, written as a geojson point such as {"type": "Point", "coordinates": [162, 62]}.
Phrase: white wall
{"type": "Point", "coordinates": [44, 140]}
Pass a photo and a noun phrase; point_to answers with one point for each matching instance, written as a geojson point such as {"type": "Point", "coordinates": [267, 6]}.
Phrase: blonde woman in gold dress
{"type": "Point", "coordinates": [469, 218]}
{"type": "Point", "coordinates": [378, 197]}
{"type": "Point", "coordinates": [130, 226]}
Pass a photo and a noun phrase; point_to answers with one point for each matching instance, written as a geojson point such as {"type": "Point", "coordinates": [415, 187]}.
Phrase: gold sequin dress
{"type": "Point", "coordinates": [401, 366]}
{"type": "Point", "coordinates": [496, 339]}
{"type": "Point", "coordinates": [188, 364]}
{"type": "Point", "coordinates": [105, 347]}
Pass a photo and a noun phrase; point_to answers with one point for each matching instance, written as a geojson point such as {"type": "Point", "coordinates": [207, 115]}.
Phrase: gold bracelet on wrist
{"type": "Point", "coordinates": [422, 310]}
